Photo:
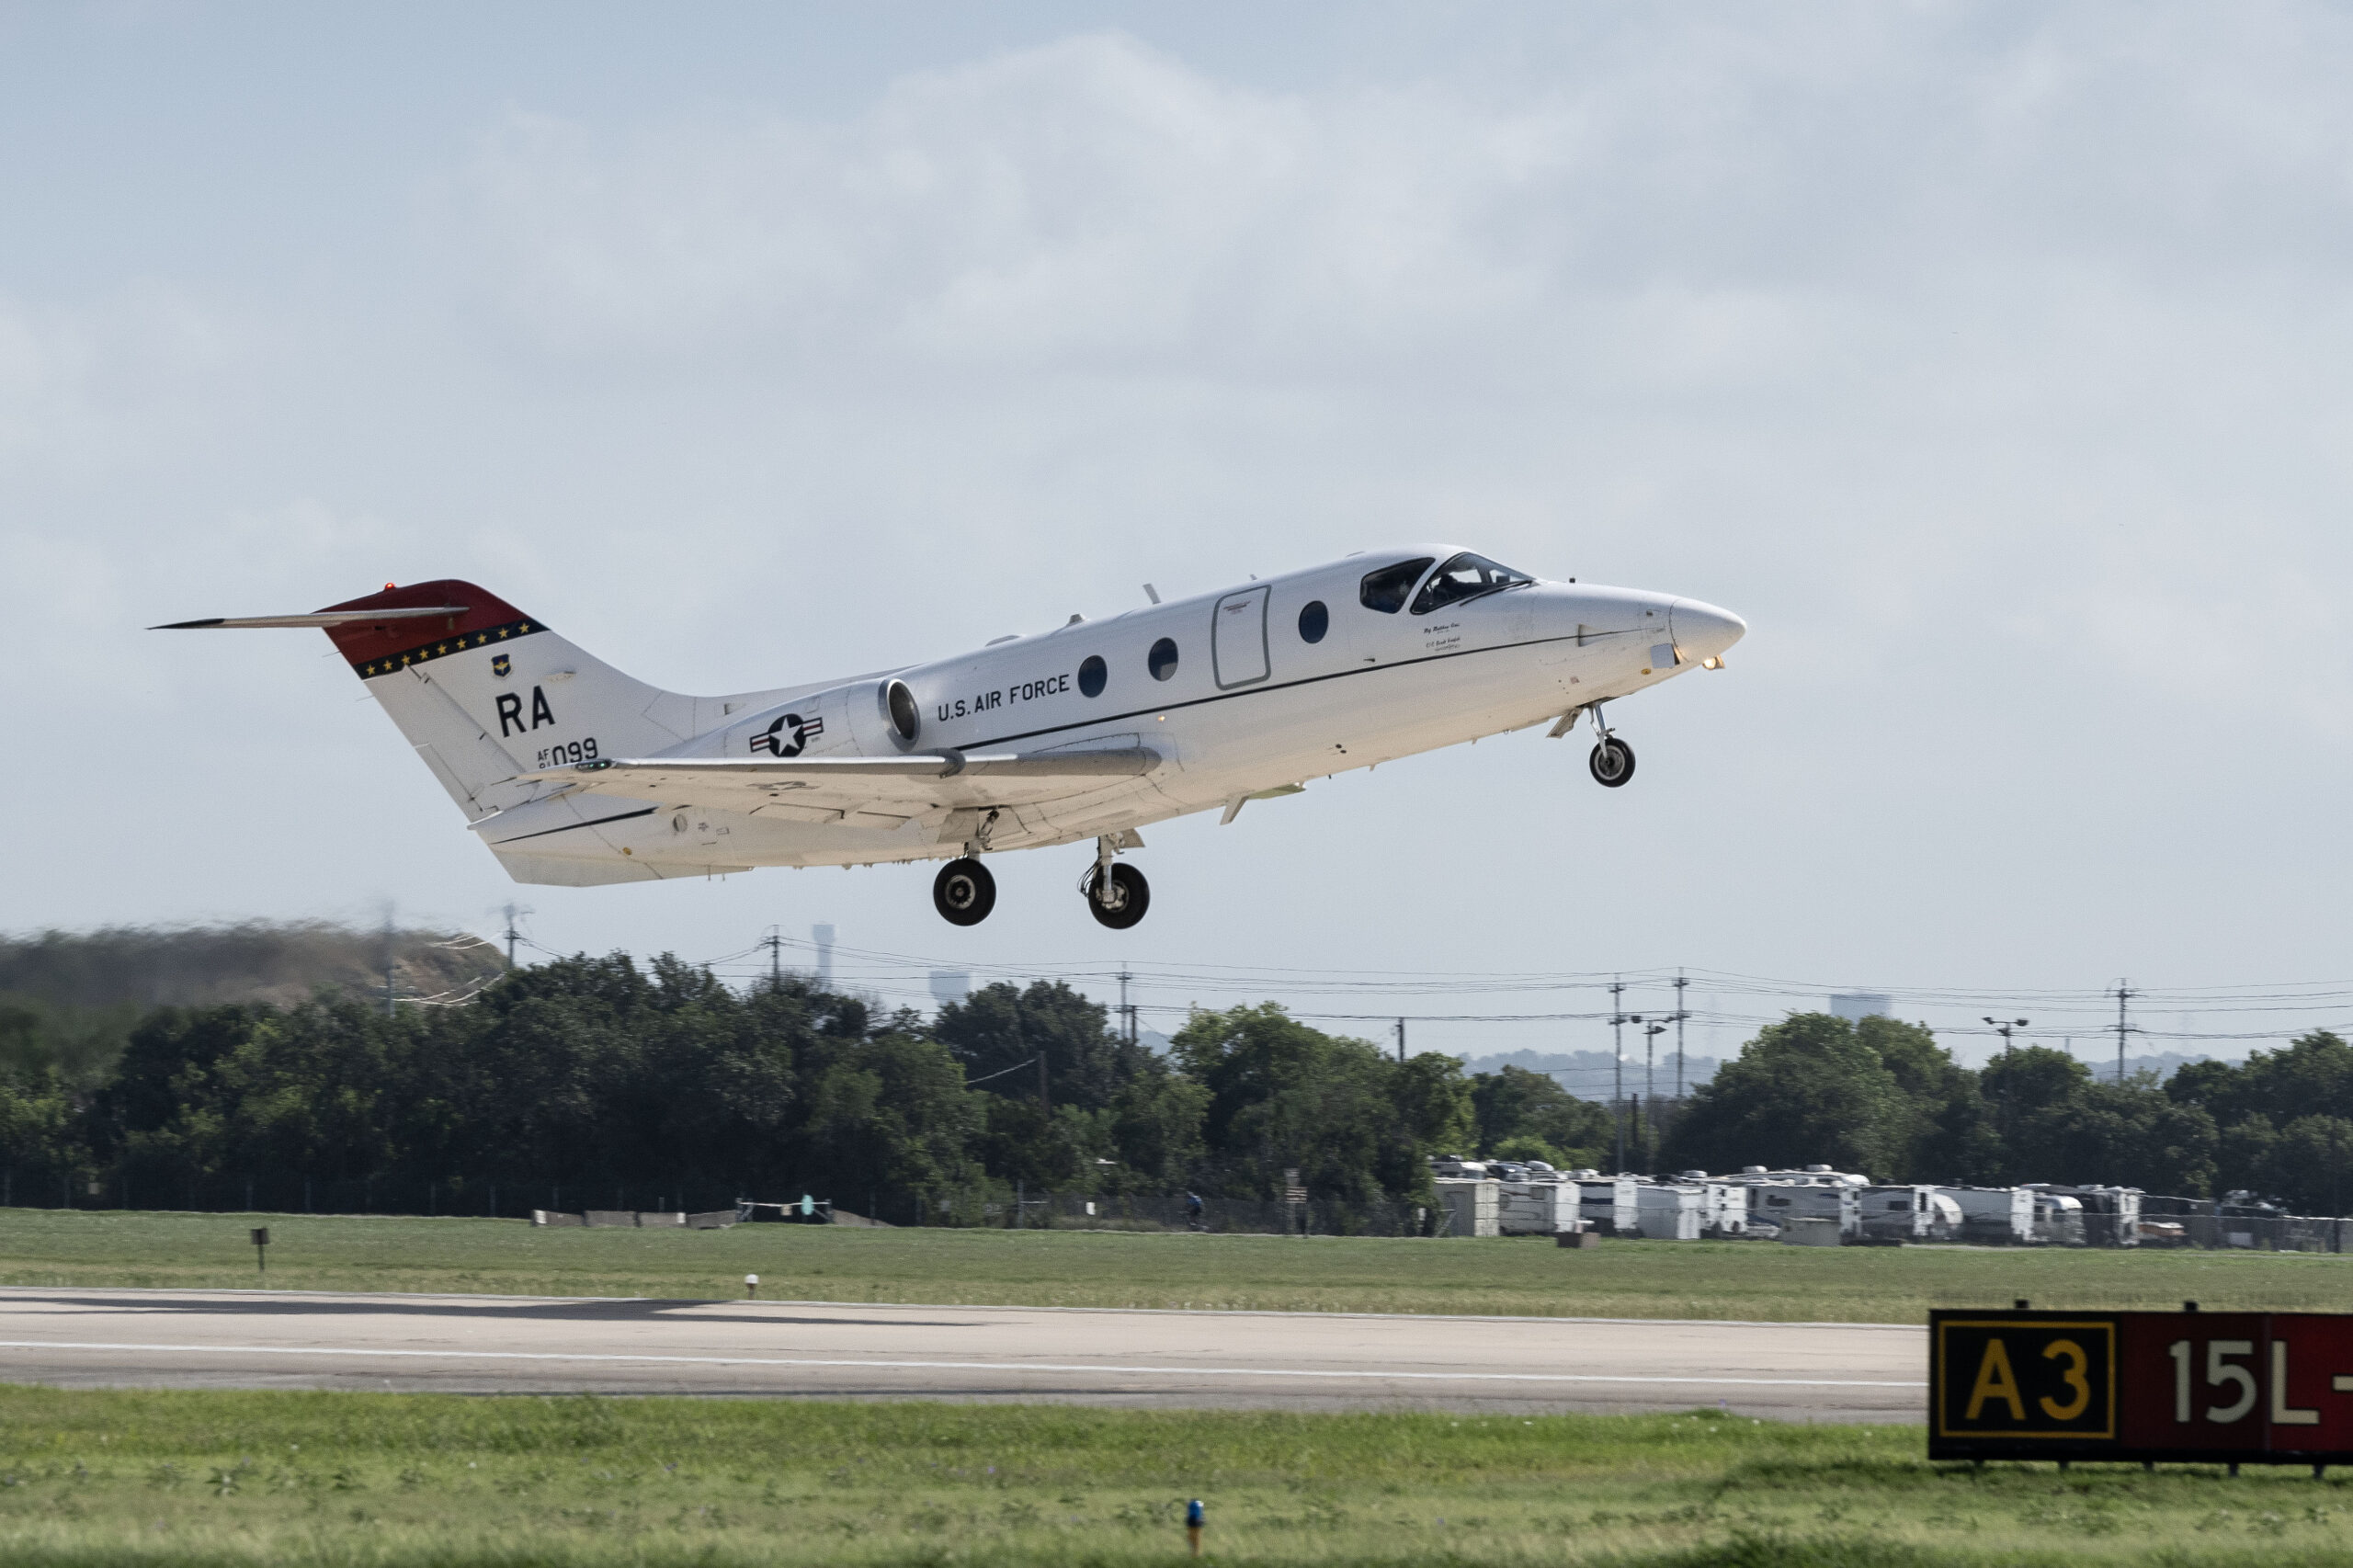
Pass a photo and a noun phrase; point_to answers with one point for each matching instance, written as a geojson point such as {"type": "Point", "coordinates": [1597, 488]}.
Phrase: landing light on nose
{"type": "Point", "coordinates": [1702, 631]}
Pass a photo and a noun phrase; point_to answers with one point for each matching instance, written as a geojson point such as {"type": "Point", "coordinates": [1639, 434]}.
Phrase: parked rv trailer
{"type": "Point", "coordinates": [1908, 1214]}
{"type": "Point", "coordinates": [1725, 1210]}
{"type": "Point", "coordinates": [1471, 1207]}
{"type": "Point", "coordinates": [2058, 1219]}
{"type": "Point", "coordinates": [1535, 1207]}
{"type": "Point", "coordinates": [1777, 1203]}
{"type": "Point", "coordinates": [1669, 1213]}
{"type": "Point", "coordinates": [2111, 1215]}
{"type": "Point", "coordinates": [1994, 1216]}
{"type": "Point", "coordinates": [1608, 1204]}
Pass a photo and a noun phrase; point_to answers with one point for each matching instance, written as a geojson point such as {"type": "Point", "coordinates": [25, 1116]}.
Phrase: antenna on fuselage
{"type": "Point", "coordinates": [1152, 592]}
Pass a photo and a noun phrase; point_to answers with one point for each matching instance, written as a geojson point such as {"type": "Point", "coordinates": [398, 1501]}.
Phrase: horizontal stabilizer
{"type": "Point", "coordinates": [316, 617]}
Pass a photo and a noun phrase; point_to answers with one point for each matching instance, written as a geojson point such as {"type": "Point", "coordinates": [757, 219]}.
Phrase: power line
{"type": "Point", "coordinates": [1739, 1001]}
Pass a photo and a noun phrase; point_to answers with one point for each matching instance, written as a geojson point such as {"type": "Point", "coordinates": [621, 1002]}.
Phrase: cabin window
{"type": "Point", "coordinates": [1385, 590]}
{"type": "Point", "coordinates": [1314, 620]}
{"type": "Point", "coordinates": [1092, 673]}
{"type": "Point", "coordinates": [1162, 660]}
{"type": "Point", "coordinates": [1466, 576]}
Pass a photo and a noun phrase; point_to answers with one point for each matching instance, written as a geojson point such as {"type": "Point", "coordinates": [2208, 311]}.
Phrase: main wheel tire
{"type": "Point", "coordinates": [1612, 762]}
{"type": "Point", "coordinates": [963, 893]}
{"type": "Point", "coordinates": [1133, 896]}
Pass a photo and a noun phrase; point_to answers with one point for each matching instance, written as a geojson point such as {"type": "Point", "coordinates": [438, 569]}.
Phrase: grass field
{"type": "Point", "coordinates": [119, 1477]}
{"type": "Point", "coordinates": [1708, 1280]}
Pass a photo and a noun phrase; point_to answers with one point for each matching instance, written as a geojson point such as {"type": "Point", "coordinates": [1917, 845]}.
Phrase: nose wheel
{"type": "Point", "coordinates": [964, 891]}
{"type": "Point", "coordinates": [1117, 895]}
{"type": "Point", "coordinates": [1612, 762]}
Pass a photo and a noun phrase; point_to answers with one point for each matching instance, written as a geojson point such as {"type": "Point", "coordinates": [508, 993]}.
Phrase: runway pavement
{"type": "Point", "coordinates": [1286, 1360]}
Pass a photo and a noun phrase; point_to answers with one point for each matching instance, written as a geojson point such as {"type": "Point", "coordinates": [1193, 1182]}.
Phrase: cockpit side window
{"type": "Point", "coordinates": [1465, 576]}
{"type": "Point", "coordinates": [1385, 590]}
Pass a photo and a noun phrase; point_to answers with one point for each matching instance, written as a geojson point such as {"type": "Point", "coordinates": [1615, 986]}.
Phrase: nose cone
{"type": "Point", "coordinates": [1703, 631]}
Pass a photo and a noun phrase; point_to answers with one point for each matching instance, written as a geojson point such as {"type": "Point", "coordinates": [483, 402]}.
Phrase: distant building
{"type": "Point", "coordinates": [1856, 1005]}
{"type": "Point", "coordinates": [822, 936]}
{"type": "Point", "coordinates": [951, 985]}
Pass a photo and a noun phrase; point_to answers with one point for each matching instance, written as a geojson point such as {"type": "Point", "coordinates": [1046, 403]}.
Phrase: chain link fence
{"type": "Point", "coordinates": [2164, 1221]}
{"type": "Point", "coordinates": [1216, 1216]}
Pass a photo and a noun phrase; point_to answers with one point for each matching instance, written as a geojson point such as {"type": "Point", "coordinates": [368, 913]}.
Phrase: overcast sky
{"type": "Point", "coordinates": [1993, 360]}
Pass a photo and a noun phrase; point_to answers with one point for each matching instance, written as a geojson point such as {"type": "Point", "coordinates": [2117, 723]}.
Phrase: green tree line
{"type": "Point", "coordinates": [591, 1080]}
{"type": "Point", "coordinates": [601, 1081]}
{"type": "Point", "coordinates": [1883, 1098]}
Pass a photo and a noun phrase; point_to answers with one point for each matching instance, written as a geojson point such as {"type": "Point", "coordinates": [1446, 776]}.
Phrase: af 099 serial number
{"type": "Point", "coordinates": [568, 751]}
{"type": "Point", "coordinates": [2249, 1387]}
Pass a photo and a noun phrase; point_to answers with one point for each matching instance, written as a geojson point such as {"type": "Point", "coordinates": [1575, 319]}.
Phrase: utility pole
{"type": "Point", "coordinates": [1126, 1010]}
{"type": "Point", "coordinates": [1618, 1020]}
{"type": "Point", "coordinates": [1650, 1091]}
{"type": "Point", "coordinates": [773, 943]}
{"type": "Point", "coordinates": [513, 935]}
{"type": "Point", "coordinates": [2124, 993]}
{"type": "Point", "coordinates": [1401, 1047]}
{"type": "Point", "coordinates": [1681, 1013]}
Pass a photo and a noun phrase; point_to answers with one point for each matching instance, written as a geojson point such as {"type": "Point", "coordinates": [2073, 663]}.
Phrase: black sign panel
{"type": "Point", "coordinates": [2025, 1377]}
{"type": "Point", "coordinates": [2252, 1388]}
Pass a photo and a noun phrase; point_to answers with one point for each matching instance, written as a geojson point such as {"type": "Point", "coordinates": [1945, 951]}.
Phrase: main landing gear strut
{"type": "Point", "coordinates": [964, 892]}
{"type": "Point", "coordinates": [1117, 895]}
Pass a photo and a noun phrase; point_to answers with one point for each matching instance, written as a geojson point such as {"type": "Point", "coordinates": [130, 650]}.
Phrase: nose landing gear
{"type": "Point", "coordinates": [964, 891]}
{"type": "Point", "coordinates": [1612, 761]}
{"type": "Point", "coordinates": [1117, 895]}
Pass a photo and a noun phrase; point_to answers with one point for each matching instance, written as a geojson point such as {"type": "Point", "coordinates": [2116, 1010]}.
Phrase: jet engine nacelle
{"type": "Point", "coordinates": [866, 717]}
{"type": "Point", "coordinates": [881, 718]}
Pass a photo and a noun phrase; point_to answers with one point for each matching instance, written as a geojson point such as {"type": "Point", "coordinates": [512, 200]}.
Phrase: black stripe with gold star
{"type": "Point", "coordinates": [424, 653]}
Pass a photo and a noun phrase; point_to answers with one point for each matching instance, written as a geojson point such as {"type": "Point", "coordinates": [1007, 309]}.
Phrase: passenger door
{"type": "Point", "coordinates": [1238, 639]}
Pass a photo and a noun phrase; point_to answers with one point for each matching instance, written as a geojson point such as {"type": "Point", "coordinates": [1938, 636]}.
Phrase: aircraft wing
{"type": "Point", "coordinates": [858, 783]}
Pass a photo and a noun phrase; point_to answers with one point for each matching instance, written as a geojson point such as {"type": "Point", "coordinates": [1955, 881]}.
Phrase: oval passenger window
{"type": "Point", "coordinates": [1092, 673]}
{"type": "Point", "coordinates": [1162, 660]}
{"type": "Point", "coordinates": [1314, 622]}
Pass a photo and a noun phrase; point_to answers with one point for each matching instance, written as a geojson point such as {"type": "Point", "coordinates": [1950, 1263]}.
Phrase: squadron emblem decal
{"type": "Point", "coordinates": [787, 735]}
{"type": "Point", "coordinates": [501, 665]}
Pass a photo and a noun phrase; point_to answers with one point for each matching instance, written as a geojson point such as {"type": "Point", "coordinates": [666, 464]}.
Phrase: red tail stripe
{"type": "Point", "coordinates": [364, 645]}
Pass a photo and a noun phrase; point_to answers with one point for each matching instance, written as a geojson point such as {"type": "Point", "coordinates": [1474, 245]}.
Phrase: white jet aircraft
{"type": "Point", "coordinates": [576, 775]}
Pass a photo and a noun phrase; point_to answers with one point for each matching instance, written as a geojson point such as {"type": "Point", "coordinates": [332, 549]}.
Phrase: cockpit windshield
{"type": "Point", "coordinates": [1465, 576]}
{"type": "Point", "coordinates": [1385, 590]}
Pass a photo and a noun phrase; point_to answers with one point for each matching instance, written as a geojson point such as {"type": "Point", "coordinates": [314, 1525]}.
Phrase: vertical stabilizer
{"type": "Point", "coordinates": [487, 692]}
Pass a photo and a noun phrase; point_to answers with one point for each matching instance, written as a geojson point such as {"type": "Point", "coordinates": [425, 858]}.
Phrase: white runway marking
{"type": "Point", "coordinates": [957, 1366]}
